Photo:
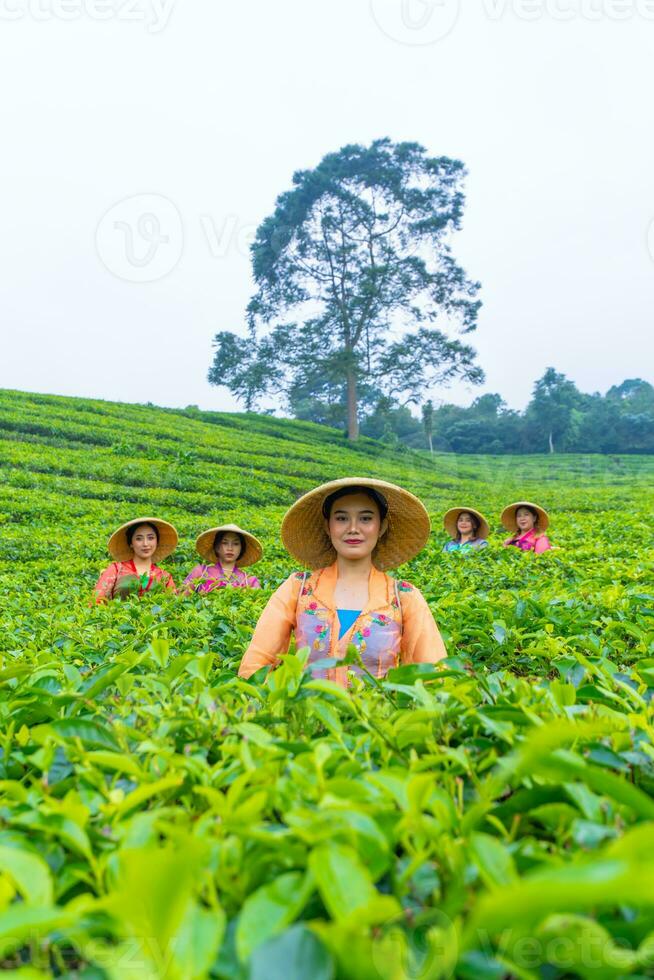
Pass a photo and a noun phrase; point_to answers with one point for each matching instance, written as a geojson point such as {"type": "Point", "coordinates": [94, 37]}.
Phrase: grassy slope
{"type": "Point", "coordinates": [127, 456]}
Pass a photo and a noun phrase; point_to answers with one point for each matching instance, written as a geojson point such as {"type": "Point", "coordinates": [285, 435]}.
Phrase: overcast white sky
{"type": "Point", "coordinates": [195, 113]}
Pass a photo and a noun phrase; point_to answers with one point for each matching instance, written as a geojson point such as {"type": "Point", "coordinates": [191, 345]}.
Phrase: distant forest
{"type": "Point", "coordinates": [559, 418]}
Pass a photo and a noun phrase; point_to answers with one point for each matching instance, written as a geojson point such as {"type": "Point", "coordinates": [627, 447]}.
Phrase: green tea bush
{"type": "Point", "coordinates": [160, 817]}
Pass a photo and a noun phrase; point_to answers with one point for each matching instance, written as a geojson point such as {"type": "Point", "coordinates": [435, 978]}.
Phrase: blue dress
{"type": "Point", "coordinates": [466, 546]}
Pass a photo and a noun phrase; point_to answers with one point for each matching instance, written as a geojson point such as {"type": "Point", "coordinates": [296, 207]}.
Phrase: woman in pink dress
{"type": "Point", "coordinates": [226, 550]}
{"type": "Point", "coordinates": [135, 546]}
{"type": "Point", "coordinates": [527, 523]}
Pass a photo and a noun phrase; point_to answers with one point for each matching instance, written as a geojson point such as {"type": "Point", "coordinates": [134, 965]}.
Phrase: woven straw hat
{"type": "Point", "coordinates": [249, 556]}
{"type": "Point", "coordinates": [305, 538]}
{"type": "Point", "coordinates": [508, 516]}
{"type": "Point", "coordinates": [168, 538]}
{"type": "Point", "coordinates": [452, 516]}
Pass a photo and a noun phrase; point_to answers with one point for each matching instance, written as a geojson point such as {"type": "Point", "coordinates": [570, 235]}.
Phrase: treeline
{"type": "Point", "coordinates": [559, 418]}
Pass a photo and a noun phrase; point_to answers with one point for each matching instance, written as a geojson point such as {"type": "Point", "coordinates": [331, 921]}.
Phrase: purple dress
{"type": "Point", "coordinates": [206, 578]}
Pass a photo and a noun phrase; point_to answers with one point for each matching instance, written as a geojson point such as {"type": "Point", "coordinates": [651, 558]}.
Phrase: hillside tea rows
{"type": "Point", "coordinates": [160, 817]}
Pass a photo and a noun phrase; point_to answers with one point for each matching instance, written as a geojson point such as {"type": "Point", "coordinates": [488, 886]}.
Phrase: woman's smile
{"type": "Point", "coordinates": [144, 542]}
{"type": "Point", "coordinates": [354, 526]}
{"type": "Point", "coordinates": [525, 521]}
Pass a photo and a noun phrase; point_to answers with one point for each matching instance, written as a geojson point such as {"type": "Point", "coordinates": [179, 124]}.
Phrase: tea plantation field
{"type": "Point", "coordinates": [160, 818]}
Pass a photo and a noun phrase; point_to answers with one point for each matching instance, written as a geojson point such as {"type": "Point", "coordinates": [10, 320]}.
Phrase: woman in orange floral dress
{"type": "Point", "coordinates": [348, 532]}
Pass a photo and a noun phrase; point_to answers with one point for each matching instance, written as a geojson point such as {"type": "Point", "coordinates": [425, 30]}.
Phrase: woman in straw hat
{"type": "Point", "coordinates": [527, 523]}
{"type": "Point", "coordinates": [225, 551]}
{"type": "Point", "coordinates": [135, 546]}
{"type": "Point", "coordinates": [348, 532]}
{"type": "Point", "coordinates": [467, 528]}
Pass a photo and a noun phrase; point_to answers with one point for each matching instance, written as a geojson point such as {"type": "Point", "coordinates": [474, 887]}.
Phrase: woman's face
{"type": "Point", "coordinates": [354, 526]}
{"type": "Point", "coordinates": [464, 523]}
{"type": "Point", "coordinates": [229, 548]}
{"type": "Point", "coordinates": [525, 519]}
{"type": "Point", "coordinates": [144, 542]}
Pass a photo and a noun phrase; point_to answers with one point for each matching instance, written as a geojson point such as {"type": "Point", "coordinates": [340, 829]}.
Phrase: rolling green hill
{"type": "Point", "coordinates": [492, 819]}
{"type": "Point", "coordinates": [92, 463]}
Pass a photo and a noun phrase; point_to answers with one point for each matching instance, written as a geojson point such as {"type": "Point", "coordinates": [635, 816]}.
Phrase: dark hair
{"type": "Point", "coordinates": [131, 531]}
{"type": "Point", "coordinates": [221, 534]}
{"type": "Point", "coordinates": [476, 524]}
{"type": "Point", "coordinates": [374, 495]}
{"type": "Point", "coordinates": [532, 511]}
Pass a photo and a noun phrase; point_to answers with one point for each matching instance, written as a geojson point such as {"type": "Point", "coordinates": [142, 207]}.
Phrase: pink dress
{"type": "Point", "coordinates": [206, 578]}
{"type": "Point", "coordinates": [530, 541]}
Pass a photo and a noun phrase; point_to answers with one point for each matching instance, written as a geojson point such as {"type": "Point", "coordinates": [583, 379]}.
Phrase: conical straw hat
{"type": "Point", "coordinates": [249, 556]}
{"type": "Point", "coordinates": [305, 537]}
{"type": "Point", "coordinates": [452, 516]}
{"type": "Point", "coordinates": [508, 516]}
{"type": "Point", "coordinates": [168, 538]}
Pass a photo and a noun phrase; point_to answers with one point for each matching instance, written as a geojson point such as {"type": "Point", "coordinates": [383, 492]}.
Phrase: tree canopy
{"type": "Point", "coordinates": [352, 271]}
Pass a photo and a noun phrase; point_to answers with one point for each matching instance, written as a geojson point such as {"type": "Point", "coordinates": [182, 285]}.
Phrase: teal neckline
{"type": "Point", "coordinates": [346, 618]}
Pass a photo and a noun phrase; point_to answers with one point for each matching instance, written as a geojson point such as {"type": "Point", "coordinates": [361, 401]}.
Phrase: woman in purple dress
{"type": "Point", "coordinates": [225, 551]}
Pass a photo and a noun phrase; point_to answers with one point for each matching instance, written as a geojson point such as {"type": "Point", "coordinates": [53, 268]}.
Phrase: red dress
{"type": "Point", "coordinates": [121, 579]}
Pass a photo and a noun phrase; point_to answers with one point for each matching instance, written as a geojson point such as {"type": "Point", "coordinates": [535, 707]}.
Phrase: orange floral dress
{"type": "Point", "coordinates": [395, 627]}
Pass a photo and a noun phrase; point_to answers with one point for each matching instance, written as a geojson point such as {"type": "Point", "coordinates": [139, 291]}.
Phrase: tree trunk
{"type": "Point", "coordinates": [431, 446]}
{"type": "Point", "coordinates": [352, 417]}
{"type": "Point", "coordinates": [551, 444]}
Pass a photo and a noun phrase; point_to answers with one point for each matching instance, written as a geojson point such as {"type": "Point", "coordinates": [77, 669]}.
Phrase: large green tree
{"type": "Point", "coordinates": [550, 413]}
{"type": "Point", "coordinates": [353, 270]}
